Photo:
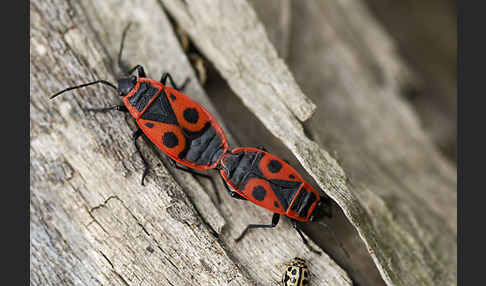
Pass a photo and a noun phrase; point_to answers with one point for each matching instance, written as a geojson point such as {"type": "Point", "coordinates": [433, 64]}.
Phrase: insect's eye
{"type": "Point", "coordinates": [125, 85]}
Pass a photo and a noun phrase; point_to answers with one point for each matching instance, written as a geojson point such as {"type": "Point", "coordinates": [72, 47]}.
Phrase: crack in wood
{"type": "Point", "coordinates": [106, 258]}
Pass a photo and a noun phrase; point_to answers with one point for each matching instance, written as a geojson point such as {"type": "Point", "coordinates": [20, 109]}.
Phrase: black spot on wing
{"type": "Point", "coordinates": [259, 193]}
{"type": "Point", "coordinates": [291, 176]}
{"type": "Point", "coordinates": [149, 125]}
{"type": "Point", "coordinates": [170, 140]}
{"type": "Point", "coordinates": [191, 115]}
{"type": "Point", "coordinates": [274, 166]}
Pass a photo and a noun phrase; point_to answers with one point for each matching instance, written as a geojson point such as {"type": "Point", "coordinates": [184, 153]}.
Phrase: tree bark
{"type": "Point", "coordinates": [342, 118]}
{"type": "Point", "coordinates": [92, 223]}
{"type": "Point", "coordinates": [391, 182]}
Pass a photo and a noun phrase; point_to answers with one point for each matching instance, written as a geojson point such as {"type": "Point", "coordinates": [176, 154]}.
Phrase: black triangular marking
{"type": "Point", "coordinates": [285, 191]}
{"type": "Point", "coordinates": [160, 110]}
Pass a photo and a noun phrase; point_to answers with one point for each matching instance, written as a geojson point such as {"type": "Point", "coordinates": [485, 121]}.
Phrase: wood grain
{"type": "Point", "coordinates": [92, 223]}
{"type": "Point", "coordinates": [391, 182]}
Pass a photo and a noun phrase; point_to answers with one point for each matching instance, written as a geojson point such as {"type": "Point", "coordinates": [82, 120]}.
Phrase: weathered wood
{"type": "Point", "coordinates": [398, 191]}
{"type": "Point", "coordinates": [91, 221]}
{"type": "Point", "coordinates": [360, 100]}
{"type": "Point", "coordinates": [426, 36]}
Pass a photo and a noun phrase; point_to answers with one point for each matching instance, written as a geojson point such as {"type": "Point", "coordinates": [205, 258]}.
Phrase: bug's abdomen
{"type": "Point", "coordinates": [205, 147]}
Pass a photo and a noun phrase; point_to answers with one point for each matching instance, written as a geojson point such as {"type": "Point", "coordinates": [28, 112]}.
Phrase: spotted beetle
{"type": "Point", "coordinates": [296, 273]}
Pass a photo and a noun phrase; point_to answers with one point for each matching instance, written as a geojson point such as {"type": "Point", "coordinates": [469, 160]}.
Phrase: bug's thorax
{"type": "Point", "coordinates": [142, 95]}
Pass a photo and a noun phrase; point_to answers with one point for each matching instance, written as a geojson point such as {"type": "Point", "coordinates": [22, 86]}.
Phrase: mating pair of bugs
{"type": "Point", "coordinates": [190, 136]}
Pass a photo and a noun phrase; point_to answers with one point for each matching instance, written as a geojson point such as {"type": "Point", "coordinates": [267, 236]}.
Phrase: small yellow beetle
{"type": "Point", "coordinates": [296, 274]}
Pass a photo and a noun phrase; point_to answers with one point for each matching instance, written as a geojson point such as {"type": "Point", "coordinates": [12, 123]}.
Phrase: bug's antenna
{"type": "Point", "coordinates": [86, 84]}
{"type": "Point", "coordinates": [335, 239]}
{"type": "Point", "coordinates": [122, 43]}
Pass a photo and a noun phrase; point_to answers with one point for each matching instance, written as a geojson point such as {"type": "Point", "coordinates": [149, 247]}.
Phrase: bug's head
{"type": "Point", "coordinates": [322, 209]}
{"type": "Point", "coordinates": [297, 261]}
{"type": "Point", "coordinates": [126, 84]}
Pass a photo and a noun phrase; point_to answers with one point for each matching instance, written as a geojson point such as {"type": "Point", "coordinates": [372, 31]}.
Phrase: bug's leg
{"type": "Point", "coordinates": [167, 75]}
{"type": "Point", "coordinates": [275, 219]}
{"type": "Point", "coordinates": [122, 108]}
{"type": "Point", "coordinates": [139, 68]}
{"type": "Point", "coordinates": [146, 166]}
{"type": "Point", "coordinates": [232, 193]}
{"type": "Point", "coordinates": [296, 226]}
{"type": "Point", "coordinates": [213, 183]}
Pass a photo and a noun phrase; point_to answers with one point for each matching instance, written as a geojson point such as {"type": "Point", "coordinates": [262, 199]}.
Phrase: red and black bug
{"type": "Point", "coordinates": [175, 123]}
{"type": "Point", "coordinates": [190, 135]}
{"type": "Point", "coordinates": [179, 126]}
{"type": "Point", "coordinates": [255, 175]}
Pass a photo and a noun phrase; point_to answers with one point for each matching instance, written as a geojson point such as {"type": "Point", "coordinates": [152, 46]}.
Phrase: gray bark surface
{"type": "Point", "coordinates": [391, 182]}
{"type": "Point", "coordinates": [426, 35]}
{"type": "Point", "coordinates": [318, 83]}
{"type": "Point", "coordinates": [92, 223]}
